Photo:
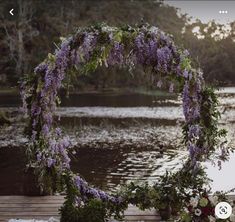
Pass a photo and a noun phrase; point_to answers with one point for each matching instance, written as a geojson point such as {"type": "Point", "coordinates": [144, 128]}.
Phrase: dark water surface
{"type": "Point", "coordinates": [105, 168]}
{"type": "Point", "coordinates": [124, 138]}
{"type": "Point", "coordinates": [96, 99]}
{"type": "Point", "coordinates": [12, 168]}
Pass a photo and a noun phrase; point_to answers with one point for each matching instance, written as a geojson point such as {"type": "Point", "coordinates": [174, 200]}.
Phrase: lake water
{"type": "Point", "coordinates": [118, 138]}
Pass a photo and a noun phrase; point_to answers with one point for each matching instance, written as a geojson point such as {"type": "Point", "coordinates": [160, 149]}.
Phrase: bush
{"type": "Point", "coordinates": [93, 211]}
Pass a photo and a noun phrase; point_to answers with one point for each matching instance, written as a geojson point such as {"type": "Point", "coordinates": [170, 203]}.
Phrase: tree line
{"type": "Point", "coordinates": [28, 36]}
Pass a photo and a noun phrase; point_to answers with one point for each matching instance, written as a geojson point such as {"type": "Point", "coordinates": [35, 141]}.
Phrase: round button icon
{"type": "Point", "coordinates": [223, 210]}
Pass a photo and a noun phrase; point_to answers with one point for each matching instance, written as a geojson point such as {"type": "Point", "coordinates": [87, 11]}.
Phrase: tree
{"type": "Point", "coordinates": [18, 33]}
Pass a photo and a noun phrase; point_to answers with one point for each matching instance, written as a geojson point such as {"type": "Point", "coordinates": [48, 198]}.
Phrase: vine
{"type": "Point", "coordinates": [127, 47]}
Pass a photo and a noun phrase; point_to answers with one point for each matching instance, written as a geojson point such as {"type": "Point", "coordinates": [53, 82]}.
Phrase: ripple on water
{"type": "Point", "coordinates": [144, 165]}
{"type": "Point", "coordinates": [174, 112]}
{"type": "Point", "coordinates": [109, 155]}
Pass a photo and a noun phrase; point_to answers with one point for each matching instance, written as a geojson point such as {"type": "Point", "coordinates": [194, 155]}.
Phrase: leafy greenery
{"type": "Point", "coordinates": [169, 193]}
{"type": "Point", "coordinates": [40, 29]}
{"type": "Point", "coordinates": [92, 210]}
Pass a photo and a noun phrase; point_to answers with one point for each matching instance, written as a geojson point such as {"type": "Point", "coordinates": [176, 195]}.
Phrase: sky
{"type": "Point", "coordinates": [207, 10]}
{"type": "Point", "coordinates": [222, 178]}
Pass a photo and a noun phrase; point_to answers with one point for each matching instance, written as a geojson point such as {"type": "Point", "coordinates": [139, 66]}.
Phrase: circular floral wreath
{"type": "Point", "coordinates": [125, 47]}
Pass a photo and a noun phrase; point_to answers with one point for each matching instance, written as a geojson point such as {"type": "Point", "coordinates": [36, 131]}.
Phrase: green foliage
{"type": "Point", "coordinates": [139, 195]}
{"type": "Point", "coordinates": [169, 194]}
{"type": "Point", "coordinates": [211, 137]}
{"type": "Point", "coordinates": [93, 211]}
{"type": "Point", "coordinates": [210, 117]}
{"type": "Point", "coordinates": [90, 209]}
{"type": "Point", "coordinates": [171, 190]}
{"type": "Point", "coordinates": [43, 29]}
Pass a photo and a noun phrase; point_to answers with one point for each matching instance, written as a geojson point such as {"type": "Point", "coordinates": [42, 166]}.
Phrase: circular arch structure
{"type": "Point", "coordinates": [126, 47]}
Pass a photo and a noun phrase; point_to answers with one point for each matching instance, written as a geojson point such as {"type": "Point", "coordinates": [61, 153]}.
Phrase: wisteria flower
{"type": "Point", "coordinates": [50, 162]}
{"type": "Point", "coordinates": [90, 47]}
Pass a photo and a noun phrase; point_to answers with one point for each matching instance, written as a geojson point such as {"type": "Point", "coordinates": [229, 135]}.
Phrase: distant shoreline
{"type": "Point", "coordinates": [119, 91]}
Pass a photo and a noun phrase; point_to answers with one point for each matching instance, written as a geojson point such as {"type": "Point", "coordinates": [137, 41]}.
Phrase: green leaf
{"type": "Point", "coordinates": [51, 57]}
{"type": "Point", "coordinates": [186, 217]}
{"type": "Point", "coordinates": [105, 53]}
{"type": "Point", "coordinates": [186, 64]}
{"type": "Point", "coordinates": [118, 36]}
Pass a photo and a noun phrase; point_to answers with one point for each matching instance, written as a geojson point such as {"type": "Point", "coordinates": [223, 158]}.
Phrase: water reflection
{"type": "Point", "coordinates": [118, 138]}
{"type": "Point", "coordinates": [109, 168]}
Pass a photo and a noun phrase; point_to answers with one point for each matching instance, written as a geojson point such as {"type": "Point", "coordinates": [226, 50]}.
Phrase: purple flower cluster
{"type": "Point", "coordinates": [56, 154]}
{"type": "Point", "coordinates": [74, 58]}
{"type": "Point", "coordinates": [116, 54]}
{"type": "Point", "coordinates": [186, 100]}
{"type": "Point", "coordinates": [149, 47]}
{"type": "Point", "coordinates": [51, 73]}
{"type": "Point", "coordinates": [194, 131]}
{"type": "Point", "coordinates": [50, 162]}
{"type": "Point", "coordinates": [191, 104]}
{"type": "Point", "coordinates": [35, 109]}
{"type": "Point", "coordinates": [57, 74]}
{"type": "Point", "coordinates": [88, 45]}
{"type": "Point", "coordinates": [158, 51]}
{"type": "Point", "coordinates": [43, 108]}
{"type": "Point", "coordinates": [192, 101]}
{"type": "Point", "coordinates": [164, 56]}
{"type": "Point", "coordinates": [87, 191]}
{"type": "Point", "coordinates": [140, 48]}
{"type": "Point", "coordinates": [42, 67]}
